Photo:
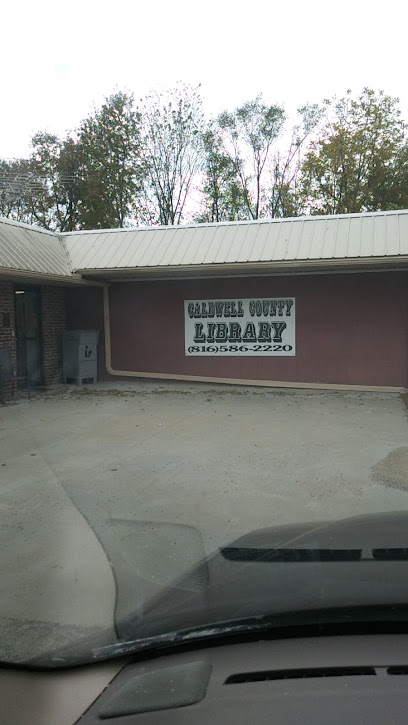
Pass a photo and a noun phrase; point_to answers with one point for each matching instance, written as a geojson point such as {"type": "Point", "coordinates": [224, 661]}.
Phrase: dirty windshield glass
{"type": "Point", "coordinates": [203, 326]}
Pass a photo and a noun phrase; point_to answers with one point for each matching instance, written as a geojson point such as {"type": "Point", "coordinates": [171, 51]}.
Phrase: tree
{"type": "Point", "coordinates": [71, 185]}
{"type": "Point", "coordinates": [44, 189]}
{"type": "Point", "coordinates": [395, 187]}
{"type": "Point", "coordinates": [109, 141]}
{"type": "Point", "coordinates": [55, 165]}
{"type": "Point", "coordinates": [283, 198]}
{"type": "Point", "coordinates": [355, 163]}
{"type": "Point", "coordinates": [125, 165]}
{"type": "Point", "coordinates": [172, 127]}
{"type": "Point", "coordinates": [248, 134]}
{"type": "Point", "coordinates": [223, 196]}
{"type": "Point", "coordinates": [16, 183]}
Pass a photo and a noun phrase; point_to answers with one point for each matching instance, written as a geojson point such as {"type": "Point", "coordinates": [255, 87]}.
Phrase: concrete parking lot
{"type": "Point", "coordinates": [222, 460]}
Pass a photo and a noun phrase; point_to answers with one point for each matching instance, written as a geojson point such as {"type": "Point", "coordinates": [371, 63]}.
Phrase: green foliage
{"type": "Point", "coordinates": [162, 163]}
{"type": "Point", "coordinates": [16, 183]}
{"type": "Point", "coordinates": [44, 189]}
{"type": "Point", "coordinates": [109, 142]}
{"type": "Point", "coordinates": [43, 167]}
{"type": "Point", "coordinates": [248, 134]}
{"type": "Point", "coordinates": [55, 165]}
{"type": "Point", "coordinates": [223, 196]}
{"type": "Point", "coordinates": [395, 187]}
{"type": "Point", "coordinates": [172, 126]}
{"type": "Point", "coordinates": [283, 197]}
{"type": "Point", "coordinates": [356, 163]}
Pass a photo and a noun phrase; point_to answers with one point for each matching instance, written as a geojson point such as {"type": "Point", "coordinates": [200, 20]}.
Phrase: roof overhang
{"type": "Point", "coordinates": [308, 266]}
{"type": "Point", "coordinates": [26, 277]}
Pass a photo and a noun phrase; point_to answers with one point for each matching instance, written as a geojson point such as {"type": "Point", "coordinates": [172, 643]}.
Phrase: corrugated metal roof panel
{"type": "Point", "coordinates": [277, 242]}
{"type": "Point", "coordinates": [366, 242]}
{"type": "Point", "coordinates": [255, 244]}
{"type": "Point", "coordinates": [305, 238]}
{"type": "Point", "coordinates": [172, 246]}
{"type": "Point", "coordinates": [351, 243]}
{"type": "Point", "coordinates": [234, 241]}
{"type": "Point", "coordinates": [403, 232]}
{"type": "Point", "coordinates": [348, 237]}
{"type": "Point", "coordinates": [109, 253]}
{"type": "Point", "coordinates": [379, 243]}
{"type": "Point", "coordinates": [330, 236]}
{"type": "Point", "coordinates": [135, 251]}
{"type": "Point", "coordinates": [190, 252]}
{"type": "Point", "coordinates": [216, 244]}
{"type": "Point", "coordinates": [271, 240]}
{"type": "Point", "coordinates": [153, 252]}
{"type": "Point", "coordinates": [393, 242]}
{"type": "Point", "coordinates": [82, 248]}
{"type": "Point", "coordinates": [305, 241]}
{"type": "Point", "coordinates": [342, 239]}
{"type": "Point", "coordinates": [316, 240]}
{"type": "Point", "coordinates": [293, 241]}
{"type": "Point", "coordinates": [28, 249]}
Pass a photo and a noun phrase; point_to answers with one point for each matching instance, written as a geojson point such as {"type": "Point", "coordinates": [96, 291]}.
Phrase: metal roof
{"type": "Point", "coordinates": [299, 239]}
{"type": "Point", "coordinates": [24, 248]}
{"type": "Point", "coordinates": [347, 239]}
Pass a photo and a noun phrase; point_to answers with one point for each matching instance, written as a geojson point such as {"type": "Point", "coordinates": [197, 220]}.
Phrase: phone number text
{"type": "Point", "coordinates": [238, 348]}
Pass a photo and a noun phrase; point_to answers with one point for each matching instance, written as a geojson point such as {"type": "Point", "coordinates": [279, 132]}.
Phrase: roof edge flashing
{"type": "Point", "coordinates": [246, 222]}
{"type": "Point", "coordinates": [33, 227]}
{"type": "Point", "coordinates": [255, 267]}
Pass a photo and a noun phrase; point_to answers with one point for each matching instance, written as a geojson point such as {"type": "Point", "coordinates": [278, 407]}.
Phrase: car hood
{"type": "Point", "coordinates": [274, 575]}
{"type": "Point", "coordinates": [358, 561]}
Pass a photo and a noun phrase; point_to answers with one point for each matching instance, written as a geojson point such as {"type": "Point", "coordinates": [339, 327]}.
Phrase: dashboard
{"type": "Point", "coordinates": [318, 680]}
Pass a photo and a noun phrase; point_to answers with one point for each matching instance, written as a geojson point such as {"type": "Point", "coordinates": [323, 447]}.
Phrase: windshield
{"type": "Point", "coordinates": [203, 325]}
{"type": "Point", "coordinates": [141, 512]}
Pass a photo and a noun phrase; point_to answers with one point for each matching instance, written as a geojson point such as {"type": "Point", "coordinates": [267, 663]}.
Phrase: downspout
{"type": "Point", "coordinates": [223, 381]}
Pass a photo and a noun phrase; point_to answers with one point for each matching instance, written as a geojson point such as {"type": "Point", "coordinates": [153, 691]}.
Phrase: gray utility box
{"type": "Point", "coordinates": [80, 356]}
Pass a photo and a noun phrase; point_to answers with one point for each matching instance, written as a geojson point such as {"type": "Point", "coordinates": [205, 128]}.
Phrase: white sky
{"type": "Point", "coordinates": [59, 59]}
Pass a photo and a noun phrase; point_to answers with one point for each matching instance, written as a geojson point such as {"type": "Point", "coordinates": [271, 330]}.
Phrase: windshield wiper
{"type": "Point", "coordinates": [310, 623]}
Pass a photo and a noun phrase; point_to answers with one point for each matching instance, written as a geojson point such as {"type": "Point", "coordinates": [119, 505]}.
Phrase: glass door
{"type": "Point", "coordinates": [28, 330]}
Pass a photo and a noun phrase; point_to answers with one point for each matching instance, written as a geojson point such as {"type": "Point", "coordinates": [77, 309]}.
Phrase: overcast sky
{"type": "Point", "coordinates": [59, 59]}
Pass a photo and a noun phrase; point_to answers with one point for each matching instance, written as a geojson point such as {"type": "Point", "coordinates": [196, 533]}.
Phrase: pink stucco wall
{"type": "Point", "coordinates": [350, 328]}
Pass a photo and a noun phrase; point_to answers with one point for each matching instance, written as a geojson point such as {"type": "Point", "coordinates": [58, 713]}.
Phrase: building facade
{"type": "Point", "coordinates": [315, 302]}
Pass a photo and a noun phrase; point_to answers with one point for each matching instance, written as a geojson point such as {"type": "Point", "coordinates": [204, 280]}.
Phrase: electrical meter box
{"type": "Point", "coordinates": [80, 349]}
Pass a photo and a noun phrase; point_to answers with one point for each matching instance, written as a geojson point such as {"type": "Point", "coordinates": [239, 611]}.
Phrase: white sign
{"type": "Point", "coordinates": [240, 327]}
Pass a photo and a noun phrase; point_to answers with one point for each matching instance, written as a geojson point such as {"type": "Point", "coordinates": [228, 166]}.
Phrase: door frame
{"type": "Point", "coordinates": [33, 289]}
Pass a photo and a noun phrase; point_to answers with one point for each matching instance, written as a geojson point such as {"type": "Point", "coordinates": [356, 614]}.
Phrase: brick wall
{"type": "Point", "coordinates": [7, 326]}
{"type": "Point", "coordinates": [53, 310]}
